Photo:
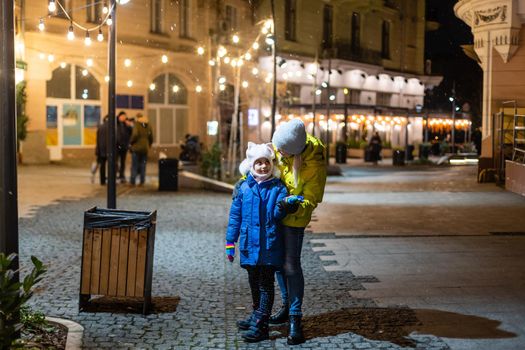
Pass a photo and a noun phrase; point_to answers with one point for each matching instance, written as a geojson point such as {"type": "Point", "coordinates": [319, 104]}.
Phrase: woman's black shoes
{"type": "Point", "coordinates": [280, 316]}
{"type": "Point", "coordinates": [295, 331]}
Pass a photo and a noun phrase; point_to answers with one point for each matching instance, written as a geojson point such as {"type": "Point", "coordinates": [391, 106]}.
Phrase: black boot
{"type": "Point", "coordinates": [280, 316]}
{"type": "Point", "coordinates": [258, 330]}
{"type": "Point", "coordinates": [244, 325]}
{"type": "Point", "coordinates": [295, 331]}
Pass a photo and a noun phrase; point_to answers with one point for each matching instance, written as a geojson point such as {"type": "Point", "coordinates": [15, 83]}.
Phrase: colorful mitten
{"type": "Point", "coordinates": [292, 199]}
{"type": "Point", "coordinates": [230, 250]}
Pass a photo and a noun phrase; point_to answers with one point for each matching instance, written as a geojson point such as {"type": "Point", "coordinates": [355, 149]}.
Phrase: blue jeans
{"type": "Point", "coordinates": [138, 166]}
{"type": "Point", "coordinates": [290, 277]}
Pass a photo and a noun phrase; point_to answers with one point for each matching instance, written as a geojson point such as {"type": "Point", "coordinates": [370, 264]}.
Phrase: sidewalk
{"type": "Point", "coordinates": [374, 284]}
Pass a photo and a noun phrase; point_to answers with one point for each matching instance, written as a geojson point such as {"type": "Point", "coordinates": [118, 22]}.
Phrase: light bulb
{"type": "Point", "coordinates": [164, 59]}
{"type": "Point", "coordinates": [52, 7]}
{"type": "Point", "coordinates": [109, 21]}
{"type": "Point", "coordinates": [127, 62]}
{"type": "Point", "coordinates": [226, 60]}
{"type": "Point", "coordinates": [332, 97]}
{"type": "Point", "coordinates": [245, 84]}
{"type": "Point", "coordinates": [152, 86]}
{"type": "Point", "coordinates": [222, 87]}
{"type": "Point", "coordinates": [270, 40]}
{"type": "Point", "coordinates": [106, 78]}
{"type": "Point", "coordinates": [100, 36]}
{"type": "Point", "coordinates": [318, 92]}
{"type": "Point", "coordinates": [222, 51]}
{"type": "Point", "coordinates": [50, 58]}
{"type": "Point", "coordinates": [255, 46]}
{"type": "Point", "coordinates": [222, 80]}
{"type": "Point", "coordinates": [235, 39]}
{"type": "Point", "coordinates": [255, 71]}
{"type": "Point", "coordinates": [84, 72]}
{"type": "Point", "coordinates": [198, 89]}
{"type": "Point", "coordinates": [211, 62]}
{"type": "Point", "coordinates": [87, 40]}
{"type": "Point", "coordinates": [63, 65]}
{"type": "Point", "coordinates": [200, 50]}
{"type": "Point", "coordinates": [41, 25]}
{"type": "Point", "coordinates": [176, 88]}
{"type": "Point", "coordinates": [89, 62]}
{"type": "Point", "coordinates": [248, 56]}
{"type": "Point", "coordinates": [70, 33]}
{"type": "Point", "coordinates": [129, 83]}
{"type": "Point", "coordinates": [105, 9]}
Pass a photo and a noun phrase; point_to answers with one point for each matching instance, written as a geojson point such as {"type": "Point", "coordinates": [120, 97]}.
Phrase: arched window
{"type": "Point", "coordinates": [72, 107]}
{"type": "Point", "coordinates": [167, 109]}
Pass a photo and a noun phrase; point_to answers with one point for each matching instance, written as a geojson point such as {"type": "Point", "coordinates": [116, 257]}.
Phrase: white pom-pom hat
{"type": "Point", "coordinates": [257, 151]}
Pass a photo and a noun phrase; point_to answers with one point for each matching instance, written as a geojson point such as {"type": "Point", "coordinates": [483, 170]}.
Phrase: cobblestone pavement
{"type": "Point", "coordinates": [199, 295]}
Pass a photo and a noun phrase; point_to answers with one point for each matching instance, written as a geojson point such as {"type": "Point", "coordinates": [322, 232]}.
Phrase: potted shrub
{"type": "Point", "coordinates": [21, 118]}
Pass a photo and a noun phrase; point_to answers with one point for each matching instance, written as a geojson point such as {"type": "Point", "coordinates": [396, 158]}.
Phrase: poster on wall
{"type": "Point", "coordinates": [91, 121]}
{"type": "Point", "coordinates": [51, 125]}
{"type": "Point", "coordinates": [71, 125]}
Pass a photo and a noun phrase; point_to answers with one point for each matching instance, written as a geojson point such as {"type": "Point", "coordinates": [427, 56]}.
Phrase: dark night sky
{"type": "Point", "coordinates": [443, 48]}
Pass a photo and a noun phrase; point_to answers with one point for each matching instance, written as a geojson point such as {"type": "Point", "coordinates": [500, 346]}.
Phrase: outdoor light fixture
{"type": "Point", "coordinates": [255, 46]}
{"type": "Point", "coordinates": [222, 87]}
{"type": "Point", "coordinates": [100, 36]}
{"type": "Point", "coordinates": [41, 25]}
{"type": "Point", "coordinates": [123, 2]}
{"type": "Point", "coordinates": [235, 39]}
{"type": "Point", "coordinates": [70, 33]}
{"type": "Point", "coordinates": [324, 84]}
{"type": "Point", "coordinates": [270, 39]}
{"type": "Point", "coordinates": [127, 62]}
{"type": "Point", "coordinates": [255, 71]}
{"type": "Point", "coordinates": [164, 59]}
{"type": "Point", "coordinates": [345, 91]}
{"type": "Point", "coordinates": [245, 84]}
{"type": "Point", "coordinates": [84, 72]}
{"type": "Point", "coordinates": [87, 40]}
{"type": "Point", "coordinates": [152, 87]}
{"type": "Point", "coordinates": [211, 62]}
{"type": "Point", "coordinates": [129, 83]}
{"type": "Point", "coordinates": [198, 89]}
{"type": "Point", "coordinates": [89, 62]}
{"type": "Point", "coordinates": [200, 50]}
{"type": "Point", "coordinates": [51, 58]}
{"type": "Point", "coordinates": [63, 65]}
{"type": "Point", "coordinates": [176, 88]}
{"type": "Point", "coordinates": [226, 60]}
{"type": "Point", "coordinates": [282, 63]}
{"type": "Point", "coordinates": [318, 92]}
{"type": "Point", "coordinates": [332, 97]}
{"type": "Point", "coordinates": [248, 56]}
{"type": "Point", "coordinates": [451, 99]}
{"type": "Point", "coordinates": [105, 9]}
{"type": "Point", "coordinates": [52, 7]}
{"type": "Point", "coordinates": [222, 80]}
{"type": "Point", "coordinates": [106, 78]}
{"type": "Point", "coordinates": [109, 21]}
{"type": "Point", "coordinates": [222, 51]}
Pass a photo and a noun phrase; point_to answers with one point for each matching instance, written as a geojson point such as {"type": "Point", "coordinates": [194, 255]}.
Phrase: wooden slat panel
{"type": "Point", "coordinates": [106, 255]}
{"type": "Point", "coordinates": [141, 263]}
{"type": "Point", "coordinates": [114, 260]}
{"type": "Point", "coordinates": [86, 262]}
{"type": "Point", "coordinates": [95, 261]}
{"type": "Point", "coordinates": [132, 262]}
{"type": "Point", "coordinates": [123, 261]}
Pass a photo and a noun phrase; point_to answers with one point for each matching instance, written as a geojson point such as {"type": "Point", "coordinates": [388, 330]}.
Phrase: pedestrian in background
{"type": "Point", "coordinates": [302, 163]}
{"type": "Point", "coordinates": [101, 149]}
{"type": "Point", "coordinates": [123, 137]}
{"type": "Point", "coordinates": [140, 141]}
{"type": "Point", "coordinates": [375, 147]}
{"type": "Point", "coordinates": [256, 211]}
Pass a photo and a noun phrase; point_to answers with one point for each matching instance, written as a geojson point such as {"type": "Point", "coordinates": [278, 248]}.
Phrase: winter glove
{"type": "Point", "coordinates": [290, 204]}
{"type": "Point", "coordinates": [230, 250]}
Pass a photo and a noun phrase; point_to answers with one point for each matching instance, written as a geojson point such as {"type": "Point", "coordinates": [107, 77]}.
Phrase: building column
{"type": "Point", "coordinates": [34, 148]}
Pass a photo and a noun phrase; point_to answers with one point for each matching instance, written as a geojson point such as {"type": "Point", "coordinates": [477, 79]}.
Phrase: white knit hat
{"type": "Point", "coordinates": [290, 137]}
{"type": "Point", "coordinates": [254, 152]}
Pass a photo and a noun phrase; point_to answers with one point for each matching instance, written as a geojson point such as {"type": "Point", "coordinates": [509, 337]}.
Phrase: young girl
{"type": "Point", "coordinates": [258, 207]}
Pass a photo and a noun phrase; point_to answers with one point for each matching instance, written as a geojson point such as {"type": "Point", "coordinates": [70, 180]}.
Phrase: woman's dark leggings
{"type": "Point", "coordinates": [262, 280]}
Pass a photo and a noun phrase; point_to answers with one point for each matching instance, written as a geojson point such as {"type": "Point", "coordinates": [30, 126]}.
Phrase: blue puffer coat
{"type": "Point", "coordinates": [254, 220]}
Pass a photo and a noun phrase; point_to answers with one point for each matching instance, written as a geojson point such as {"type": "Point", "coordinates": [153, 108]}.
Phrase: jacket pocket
{"type": "Point", "coordinates": [243, 239]}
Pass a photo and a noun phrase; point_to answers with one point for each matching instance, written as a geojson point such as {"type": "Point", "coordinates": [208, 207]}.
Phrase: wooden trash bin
{"type": "Point", "coordinates": [117, 255]}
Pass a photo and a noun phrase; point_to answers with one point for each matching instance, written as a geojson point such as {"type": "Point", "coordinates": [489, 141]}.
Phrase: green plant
{"type": "Point", "coordinates": [21, 118]}
{"type": "Point", "coordinates": [13, 296]}
{"type": "Point", "coordinates": [387, 144]}
{"type": "Point", "coordinates": [211, 161]}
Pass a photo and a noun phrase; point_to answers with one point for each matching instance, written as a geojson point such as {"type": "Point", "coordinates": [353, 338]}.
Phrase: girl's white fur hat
{"type": "Point", "coordinates": [254, 152]}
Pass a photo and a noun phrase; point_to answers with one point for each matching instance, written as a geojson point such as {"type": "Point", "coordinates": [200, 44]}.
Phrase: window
{"type": "Point", "coordinates": [157, 15]}
{"type": "Point", "coordinates": [86, 86]}
{"type": "Point", "coordinates": [356, 31]}
{"type": "Point", "coordinates": [353, 97]}
{"type": "Point", "coordinates": [231, 18]}
{"type": "Point", "coordinates": [290, 19]}
{"type": "Point", "coordinates": [66, 4]}
{"type": "Point", "coordinates": [60, 84]}
{"type": "Point", "coordinates": [383, 99]}
{"type": "Point", "coordinates": [184, 18]}
{"type": "Point", "coordinates": [385, 40]}
{"type": "Point", "coordinates": [93, 11]}
{"type": "Point", "coordinates": [327, 26]}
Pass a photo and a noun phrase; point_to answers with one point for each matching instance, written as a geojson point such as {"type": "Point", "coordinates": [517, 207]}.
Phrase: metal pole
{"type": "Point", "coordinates": [314, 88]}
{"type": "Point", "coordinates": [274, 54]}
{"type": "Point", "coordinates": [112, 169]}
{"type": "Point", "coordinates": [8, 176]}
{"type": "Point", "coordinates": [453, 134]}
{"type": "Point", "coordinates": [328, 109]}
{"type": "Point", "coordinates": [345, 127]}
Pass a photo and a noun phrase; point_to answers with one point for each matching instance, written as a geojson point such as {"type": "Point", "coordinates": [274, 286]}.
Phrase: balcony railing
{"type": "Point", "coordinates": [345, 51]}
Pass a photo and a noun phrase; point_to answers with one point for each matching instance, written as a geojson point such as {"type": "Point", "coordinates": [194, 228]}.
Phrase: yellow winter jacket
{"type": "Point", "coordinates": [311, 180]}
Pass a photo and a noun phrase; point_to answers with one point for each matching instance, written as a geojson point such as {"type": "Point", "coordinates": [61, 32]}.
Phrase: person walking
{"type": "Point", "coordinates": [375, 146]}
{"type": "Point", "coordinates": [140, 141]}
{"type": "Point", "coordinates": [256, 211]}
{"type": "Point", "coordinates": [302, 163]}
{"type": "Point", "coordinates": [101, 149]}
{"type": "Point", "coordinates": [123, 136]}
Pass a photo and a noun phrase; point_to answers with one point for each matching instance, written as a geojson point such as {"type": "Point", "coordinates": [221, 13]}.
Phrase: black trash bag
{"type": "Point", "coordinates": [113, 218]}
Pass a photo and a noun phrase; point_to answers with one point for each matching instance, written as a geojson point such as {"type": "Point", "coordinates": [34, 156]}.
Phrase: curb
{"type": "Point", "coordinates": [74, 332]}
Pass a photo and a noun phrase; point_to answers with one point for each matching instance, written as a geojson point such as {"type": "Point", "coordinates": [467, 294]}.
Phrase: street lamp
{"type": "Point", "coordinates": [453, 133]}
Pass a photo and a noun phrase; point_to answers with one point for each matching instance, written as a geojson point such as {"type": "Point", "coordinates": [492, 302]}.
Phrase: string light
{"type": "Point", "coordinates": [255, 71]}
{"type": "Point", "coordinates": [176, 88]}
{"type": "Point", "coordinates": [222, 80]}
{"type": "Point", "coordinates": [198, 89]}
{"type": "Point", "coordinates": [84, 72]}
{"type": "Point", "coordinates": [63, 65]}
{"type": "Point", "coordinates": [41, 56]}
{"type": "Point", "coordinates": [87, 40]}
{"type": "Point", "coordinates": [211, 62]}
{"type": "Point", "coordinates": [129, 83]}
{"type": "Point", "coordinates": [52, 6]}
{"type": "Point", "coordinates": [127, 62]}
{"type": "Point", "coordinates": [222, 51]}
{"type": "Point", "coordinates": [255, 46]}
{"type": "Point", "coordinates": [41, 25]}
{"type": "Point", "coordinates": [106, 78]}
{"type": "Point", "coordinates": [245, 84]}
{"type": "Point", "coordinates": [270, 40]}
{"type": "Point", "coordinates": [51, 58]}
{"type": "Point", "coordinates": [200, 50]}
{"type": "Point", "coordinates": [109, 21]}
{"type": "Point", "coordinates": [235, 39]}
{"type": "Point", "coordinates": [240, 62]}
{"type": "Point", "coordinates": [164, 59]}
{"type": "Point", "coordinates": [226, 60]}
{"type": "Point", "coordinates": [248, 56]}
{"type": "Point", "coordinates": [152, 86]}
{"type": "Point", "coordinates": [100, 36]}
{"type": "Point", "coordinates": [332, 97]}
{"type": "Point", "coordinates": [89, 62]}
{"type": "Point", "coordinates": [105, 9]}
{"type": "Point", "coordinates": [318, 92]}
{"type": "Point", "coordinates": [222, 87]}
{"type": "Point", "coordinates": [234, 63]}
{"type": "Point", "coordinates": [70, 33]}
{"type": "Point", "coordinates": [345, 91]}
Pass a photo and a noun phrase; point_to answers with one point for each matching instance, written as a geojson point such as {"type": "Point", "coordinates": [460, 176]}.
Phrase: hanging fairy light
{"type": "Point", "coordinates": [270, 40]}
{"type": "Point", "coordinates": [318, 92]}
{"type": "Point", "coordinates": [63, 65]}
{"type": "Point", "coordinates": [100, 36]}
{"type": "Point", "coordinates": [41, 25]}
{"type": "Point", "coordinates": [222, 80]}
{"type": "Point", "coordinates": [129, 83]}
{"type": "Point", "coordinates": [51, 58]}
{"type": "Point", "coordinates": [248, 56]}
{"type": "Point", "coordinates": [240, 62]}
{"type": "Point", "coordinates": [176, 88]}
{"type": "Point", "coordinates": [235, 39]}
{"type": "Point", "coordinates": [200, 50]}
{"type": "Point", "coordinates": [255, 71]}
{"type": "Point", "coordinates": [85, 72]}
{"type": "Point", "coordinates": [127, 62]}
{"type": "Point", "coordinates": [105, 9]}
{"type": "Point", "coordinates": [255, 46]}
{"type": "Point", "coordinates": [152, 87]}
{"type": "Point", "coordinates": [89, 62]}
{"type": "Point", "coordinates": [71, 33]}
{"type": "Point", "coordinates": [234, 63]}
{"type": "Point", "coordinates": [109, 21]}
{"type": "Point", "coordinates": [245, 84]}
{"type": "Point", "coordinates": [52, 6]}
{"type": "Point", "coordinates": [222, 87]}
{"type": "Point", "coordinates": [87, 40]}
{"type": "Point", "coordinates": [198, 89]}
{"type": "Point", "coordinates": [226, 60]}
{"type": "Point", "coordinates": [211, 62]}
{"type": "Point", "coordinates": [222, 51]}
{"type": "Point", "coordinates": [106, 78]}
{"type": "Point", "coordinates": [164, 59]}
